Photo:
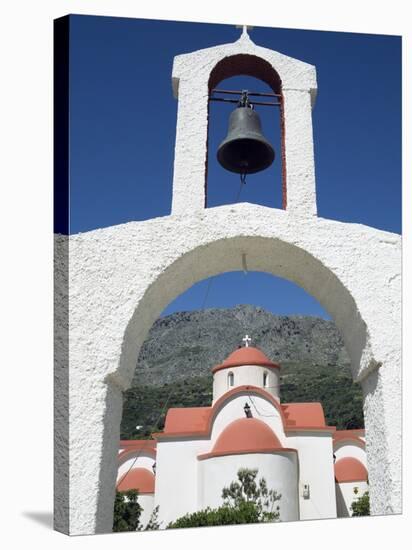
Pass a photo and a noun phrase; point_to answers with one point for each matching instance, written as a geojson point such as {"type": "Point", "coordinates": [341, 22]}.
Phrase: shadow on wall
{"type": "Point", "coordinates": [341, 508]}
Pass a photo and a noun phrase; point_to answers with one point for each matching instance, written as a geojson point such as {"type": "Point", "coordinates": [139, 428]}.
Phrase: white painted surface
{"type": "Point", "coordinates": [351, 450]}
{"type": "Point", "coordinates": [246, 375]}
{"type": "Point", "coordinates": [279, 470]}
{"type": "Point", "coordinates": [261, 408]}
{"type": "Point", "coordinates": [177, 478]}
{"type": "Point", "coordinates": [316, 470]}
{"type": "Point", "coordinates": [345, 496]}
{"type": "Point", "coordinates": [147, 503]}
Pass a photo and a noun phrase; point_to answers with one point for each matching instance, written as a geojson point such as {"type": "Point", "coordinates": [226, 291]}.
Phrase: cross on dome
{"type": "Point", "coordinates": [247, 339]}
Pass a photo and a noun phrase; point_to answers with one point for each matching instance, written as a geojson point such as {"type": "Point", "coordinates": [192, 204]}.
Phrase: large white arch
{"type": "Point", "coordinates": [122, 277]}
{"type": "Point", "coordinates": [111, 284]}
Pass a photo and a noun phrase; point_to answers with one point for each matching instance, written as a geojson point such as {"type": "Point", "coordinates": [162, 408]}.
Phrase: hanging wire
{"type": "Point", "coordinates": [209, 284]}
{"type": "Point", "coordinates": [259, 413]}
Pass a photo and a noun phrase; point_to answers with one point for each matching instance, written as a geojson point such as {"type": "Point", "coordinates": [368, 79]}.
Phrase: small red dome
{"type": "Point", "coordinates": [246, 434]}
{"type": "Point", "coordinates": [137, 478]}
{"type": "Point", "coordinates": [350, 469]}
{"type": "Point", "coordinates": [246, 356]}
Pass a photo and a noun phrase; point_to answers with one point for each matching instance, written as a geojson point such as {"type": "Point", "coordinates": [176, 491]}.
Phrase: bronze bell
{"type": "Point", "coordinates": [245, 150]}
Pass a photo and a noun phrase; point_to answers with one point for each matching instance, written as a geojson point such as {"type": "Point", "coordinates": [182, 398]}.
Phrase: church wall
{"type": "Point", "coordinates": [345, 496]}
{"type": "Point", "coordinates": [147, 503]}
{"type": "Point", "coordinates": [279, 470]}
{"type": "Point", "coordinates": [246, 375]}
{"type": "Point", "coordinates": [351, 450]}
{"type": "Point", "coordinates": [260, 408]}
{"type": "Point", "coordinates": [316, 470]}
{"type": "Point", "coordinates": [177, 477]}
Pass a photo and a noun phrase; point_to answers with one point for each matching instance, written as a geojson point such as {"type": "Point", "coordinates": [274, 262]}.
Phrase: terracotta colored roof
{"type": "Point", "coordinates": [246, 356]}
{"type": "Point", "coordinates": [348, 434]}
{"type": "Point", "coordinates": [190, 419]}
{"type": "Point", "coordinates": [197, 421]}
{"type": "Point", "coordinates": [138, 478]}
{"type": "Point", "coordinates": [245, 435]}
{"type": "Point", "coordinates": [137, 444]}
{"type": "Point", "coordinates": [350, 469]}
{"type": "Point", "coordinates": [304, 415]}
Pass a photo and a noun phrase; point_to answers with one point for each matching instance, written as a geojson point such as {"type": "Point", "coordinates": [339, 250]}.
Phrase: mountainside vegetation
{"type": "Point", "coordinates": [175, 362]}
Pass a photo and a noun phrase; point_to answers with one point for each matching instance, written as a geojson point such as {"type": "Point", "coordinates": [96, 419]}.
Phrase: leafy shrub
{"type": "Point", "coordinates": [244, 501]}
{"type": "Point", "coordinates": [360, 506]}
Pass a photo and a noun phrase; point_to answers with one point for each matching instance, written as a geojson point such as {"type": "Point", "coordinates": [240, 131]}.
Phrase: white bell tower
{"type": "Point", "coordinates": [196, 74]}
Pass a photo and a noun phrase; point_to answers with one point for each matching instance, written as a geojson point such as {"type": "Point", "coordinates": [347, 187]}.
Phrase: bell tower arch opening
{"type": "Point", "coordinates": [293, 86]}
{"type": "Point", "coordinates": [244, 125]}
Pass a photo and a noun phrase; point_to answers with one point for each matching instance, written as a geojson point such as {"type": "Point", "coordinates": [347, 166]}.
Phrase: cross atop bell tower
{"type": "Point", "coordinates": [194, 77]}
{"type": "Point", "coordinates": [245, 29]}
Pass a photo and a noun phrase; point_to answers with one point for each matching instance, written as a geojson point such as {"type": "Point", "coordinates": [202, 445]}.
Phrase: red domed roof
{"type": "Point", "coordinates": [246, 434]}
{"type": "Point", "coordinates": [246, 356]}
{"type": "Point", "coordinates": [138, 478]}
{"type": "Point", "coordinates": [350, 469]}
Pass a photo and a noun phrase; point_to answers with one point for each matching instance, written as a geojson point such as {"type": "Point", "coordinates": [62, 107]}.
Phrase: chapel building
{"type": "Point", "coordinates": [184, 468]}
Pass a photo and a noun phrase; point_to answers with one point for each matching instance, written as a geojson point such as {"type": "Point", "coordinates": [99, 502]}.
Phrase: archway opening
{"type": "Point", "coordinates": [269, 255]}
{"type": "Point", "coordinates": [175, 363]}
{"type": "Point", "coordinates": [203, 325]}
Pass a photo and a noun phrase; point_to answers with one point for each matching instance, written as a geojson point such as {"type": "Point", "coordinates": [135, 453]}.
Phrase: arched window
{"type": "Point", "coordinates": [230, 379]}
{"type": "Point", "coordinates": [265, 379]}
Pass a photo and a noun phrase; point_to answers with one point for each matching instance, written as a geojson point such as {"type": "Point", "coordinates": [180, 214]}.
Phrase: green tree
{"type": "Point", "coordinates": [360, 506]}
{"type": "Point", "coordinates": [247, 489]}
{"type": "Point", "coordinates": [153, 523]}
{"type": "Point", "coordinates": [244, 501]}
{"type": "Point", "coordinates": [127, 511]}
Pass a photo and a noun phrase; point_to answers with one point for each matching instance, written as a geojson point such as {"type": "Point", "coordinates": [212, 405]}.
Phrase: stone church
{"type": "Point", "coordinates": [184, 468]}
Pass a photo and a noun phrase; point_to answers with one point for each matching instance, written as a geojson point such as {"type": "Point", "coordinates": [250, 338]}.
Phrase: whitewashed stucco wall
{"type": "Point", "coordinates": [122, 277]}
{"type": "Point", "coordinates": [191, 74]}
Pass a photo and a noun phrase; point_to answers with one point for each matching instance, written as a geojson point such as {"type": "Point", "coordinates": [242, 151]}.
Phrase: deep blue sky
{"type": "Point", "coordinates": [122, 134]}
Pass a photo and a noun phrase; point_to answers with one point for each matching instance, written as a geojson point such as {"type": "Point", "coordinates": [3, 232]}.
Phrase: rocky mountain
{"type": "Point", "coordinates": [175, 362]}
{"type": "Point", "coordinates": [185, 345]}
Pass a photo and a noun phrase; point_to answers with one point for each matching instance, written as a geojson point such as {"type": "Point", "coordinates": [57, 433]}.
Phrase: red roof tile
{"type": "Point", "coordinates": [304, 415]}
{"type": "Point", "coordinates": [246, 356]}
{"type": "Point", "coordinates": [350, 469]}
{"type": "Point", "coordinates": [138, 478]}
{"type": "Point", "coordinates": [190, 419]}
